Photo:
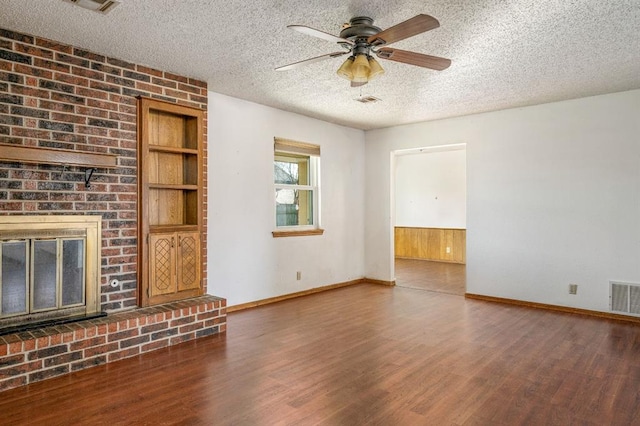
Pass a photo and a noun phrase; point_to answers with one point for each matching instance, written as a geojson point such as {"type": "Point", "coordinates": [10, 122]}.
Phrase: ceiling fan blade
{"type": "Point", "coordinates": [310, 61]}
{"type": "Point", "coordinates": [416, 25]}
{"type": "Point", "coordinates": [320, 34]}
{"type": "Point", "coordinates": [413, 58]}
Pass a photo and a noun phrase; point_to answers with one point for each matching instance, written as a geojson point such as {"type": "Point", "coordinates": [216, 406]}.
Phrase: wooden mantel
{"type": "Point", "coordinates": [31, 154]}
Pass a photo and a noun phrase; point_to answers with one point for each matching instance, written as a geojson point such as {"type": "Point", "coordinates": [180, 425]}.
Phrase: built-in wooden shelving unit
{"type": "Point", "coordinates": [170, 181]}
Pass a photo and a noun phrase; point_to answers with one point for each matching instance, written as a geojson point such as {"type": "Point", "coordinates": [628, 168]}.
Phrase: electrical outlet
{"type": "Point", "coordinates": [298, 276]}
{"type": "Point", "coordinates": [448, 250]}
{"type": "Point", "coordinates": [573, 288]}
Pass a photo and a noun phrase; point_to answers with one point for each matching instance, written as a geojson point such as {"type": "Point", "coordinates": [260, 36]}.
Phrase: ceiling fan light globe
{"type": "Point", "coordinates": [360, 69]}
{"type": "Point", "coordinates": [346, 69]}
{"type": "Point", "coordinates": [376, 68]}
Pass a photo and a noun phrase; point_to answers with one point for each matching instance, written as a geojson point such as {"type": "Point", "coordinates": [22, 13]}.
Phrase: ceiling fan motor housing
{"type": "Point", "coordinates": [359, 30]}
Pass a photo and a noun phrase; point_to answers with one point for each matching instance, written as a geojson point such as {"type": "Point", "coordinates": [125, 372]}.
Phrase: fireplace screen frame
{"type": "Point", "coordinates": [55, 227]}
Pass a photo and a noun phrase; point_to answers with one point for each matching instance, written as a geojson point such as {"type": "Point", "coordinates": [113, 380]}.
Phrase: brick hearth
{"type": "Point", "coordinates": [35, 355]}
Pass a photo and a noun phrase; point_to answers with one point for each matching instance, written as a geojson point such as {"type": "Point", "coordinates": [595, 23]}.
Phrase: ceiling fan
{"type": "Point", "coordinates": [360, 39]}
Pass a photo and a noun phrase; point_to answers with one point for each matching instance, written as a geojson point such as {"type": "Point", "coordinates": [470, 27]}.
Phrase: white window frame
{"type": "Point", "coordinates": [312, 152]}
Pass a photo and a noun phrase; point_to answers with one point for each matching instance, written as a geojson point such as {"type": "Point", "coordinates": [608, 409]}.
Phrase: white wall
{"type": "Point", "coordinates": [245, 263]}
{"type": "Point", "coordinates": [430, 189]}
{"type": "Point", "coordinates": [553, 197]}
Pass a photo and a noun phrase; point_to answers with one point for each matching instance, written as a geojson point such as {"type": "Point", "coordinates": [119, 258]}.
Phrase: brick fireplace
{"type": "Point", "coordinates": [59, 97]}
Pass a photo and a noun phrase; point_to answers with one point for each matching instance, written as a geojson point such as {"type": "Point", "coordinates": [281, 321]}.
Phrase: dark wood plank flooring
{"type": "Point", "coordinates": [442, 277]}
{"type": "Point", "coordinates": [364, 354]}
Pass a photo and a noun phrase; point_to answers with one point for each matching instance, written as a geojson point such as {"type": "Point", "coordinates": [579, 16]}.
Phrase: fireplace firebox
{"type": "Point", "coordinates": [49, 269]}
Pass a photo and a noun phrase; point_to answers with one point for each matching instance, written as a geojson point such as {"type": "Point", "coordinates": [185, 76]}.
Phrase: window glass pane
{"type": "Point", "coordinates": [72, 271]}
{"type": "Point", "coordinates": [44, 274]}
{"type": "Point", "coordinates": [14, 277]}
{"type": "Point", "coordinates": [285, 172]}
{"type": "Point", "coordinates": [294, 207]}
{"type": "Point", "coordinates": [291, 169]}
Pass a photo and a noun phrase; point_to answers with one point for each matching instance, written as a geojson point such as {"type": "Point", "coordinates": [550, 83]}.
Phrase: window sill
{"type": "Point", "coordinates": [300, 233]}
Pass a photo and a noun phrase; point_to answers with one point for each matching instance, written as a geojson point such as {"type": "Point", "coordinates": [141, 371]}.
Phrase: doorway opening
{"type": "Point", "coordinates": [429, 218]}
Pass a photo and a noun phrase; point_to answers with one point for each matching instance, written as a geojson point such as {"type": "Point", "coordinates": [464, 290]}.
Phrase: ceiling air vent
{"type": "Point", "coordinates": [102, 6]}
{"type": "Point", "coordinates": [368, 99]}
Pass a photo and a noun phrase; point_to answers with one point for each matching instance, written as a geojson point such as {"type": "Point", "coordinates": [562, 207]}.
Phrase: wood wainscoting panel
{"type": "Point", "coordinates": [439, 244]}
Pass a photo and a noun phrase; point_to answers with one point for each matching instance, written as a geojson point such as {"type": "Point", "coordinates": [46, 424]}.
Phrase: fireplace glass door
{"type": "Point", "coordinates": [41, 275]}
{"type": "Point", "coordinates": [49, 269]}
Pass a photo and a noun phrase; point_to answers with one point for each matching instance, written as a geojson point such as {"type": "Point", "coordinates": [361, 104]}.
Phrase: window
{"type": "Point", "coordinates": [296, 175]}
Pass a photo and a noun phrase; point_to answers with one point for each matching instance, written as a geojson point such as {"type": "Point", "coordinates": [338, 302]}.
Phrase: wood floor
{"type": "Point", "coordinates": [365, 354]}
{"type": "Point", "coordinates": [427, 275]}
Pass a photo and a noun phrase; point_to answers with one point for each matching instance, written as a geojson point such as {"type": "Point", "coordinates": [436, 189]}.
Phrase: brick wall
{"type": "Point", "coordinates": [58, 96]}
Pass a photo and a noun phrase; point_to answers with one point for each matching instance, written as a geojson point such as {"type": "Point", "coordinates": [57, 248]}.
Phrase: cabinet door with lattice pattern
{"type": "Point", "coordinates": [162, 264]}
{"type": "Point", "coordinates": [188, 257]}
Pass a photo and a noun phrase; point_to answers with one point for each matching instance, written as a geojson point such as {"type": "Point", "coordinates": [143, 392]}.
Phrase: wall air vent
{"type": "Point", "coordinates": [624, 298]}
{"type": "Point", "coordinates": [102, 6]}
{"type": "Point", "coordinates": [368, 99]}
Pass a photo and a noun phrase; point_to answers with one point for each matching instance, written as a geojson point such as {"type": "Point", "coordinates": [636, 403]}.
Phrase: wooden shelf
{"type": "Point", "coordinates": [179, 187]}
{"type": "Point", "coordinates": [38, 155]}
{"type": "Point", "coordinates": [174, 150]}
{"type": "Point", "coordinates": [172, 228]}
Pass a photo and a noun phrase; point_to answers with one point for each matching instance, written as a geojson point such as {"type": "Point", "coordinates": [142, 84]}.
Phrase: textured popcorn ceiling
{"type": "Point", "coordinates": [505, 53]}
